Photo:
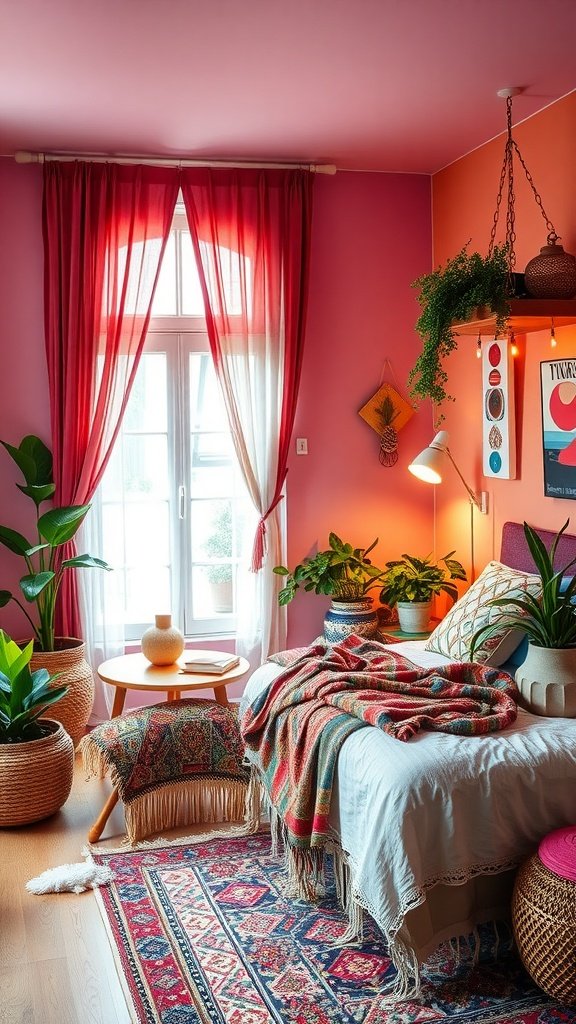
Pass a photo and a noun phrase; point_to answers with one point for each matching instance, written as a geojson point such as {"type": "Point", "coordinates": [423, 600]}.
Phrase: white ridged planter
{"type": "Point", "coordinates": [414, 616]}
{"type": "Point", "coordinates": [547, 681]}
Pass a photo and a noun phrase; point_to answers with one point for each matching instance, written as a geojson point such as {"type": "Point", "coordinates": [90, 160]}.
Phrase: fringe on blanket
{"type": "Point", "coordinates": [305, 880]}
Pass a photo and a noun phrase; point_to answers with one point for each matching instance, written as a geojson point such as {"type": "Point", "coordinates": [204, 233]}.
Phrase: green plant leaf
{"type": "Point", "coordinates": [38, 492]}
{"type": "Point", "coordinates": [32, 586]}
{"type": "Point", "coordinates": [5, 598]}
{"type": "Point", "coordinates": [14, 541]}
{"type": "Point", "coordinates": [59, 525]}
{"type": "Point", "coordinates": [85, 562]}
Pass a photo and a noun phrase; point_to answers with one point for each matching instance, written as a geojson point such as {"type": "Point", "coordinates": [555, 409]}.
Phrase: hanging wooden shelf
{"type": "Point", "coordinates": [526, 315]}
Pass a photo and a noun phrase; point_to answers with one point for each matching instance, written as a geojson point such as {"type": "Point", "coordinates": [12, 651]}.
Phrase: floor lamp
{"type": "Point", "coordinates": [428, 466]}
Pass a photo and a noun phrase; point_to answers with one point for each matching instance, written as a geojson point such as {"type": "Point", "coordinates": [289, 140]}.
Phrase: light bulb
{"type": "Point", "coordinates": [513, 346]}
{"type": "Point", "coordinates": [479, 348]}
{"type": "Point", "coordinates": [553, 341]}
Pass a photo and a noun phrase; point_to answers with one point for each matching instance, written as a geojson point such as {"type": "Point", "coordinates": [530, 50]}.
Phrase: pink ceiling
{"type": "Point", "coordinates": [393, 85]}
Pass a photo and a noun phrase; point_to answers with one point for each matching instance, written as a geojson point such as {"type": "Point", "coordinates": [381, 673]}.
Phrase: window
{"type": "Point", "coordinates": [173, 508]}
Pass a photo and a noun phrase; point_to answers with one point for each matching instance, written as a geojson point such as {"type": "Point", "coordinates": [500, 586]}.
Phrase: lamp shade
{"type": "Point", "coordinates": [427, 465]}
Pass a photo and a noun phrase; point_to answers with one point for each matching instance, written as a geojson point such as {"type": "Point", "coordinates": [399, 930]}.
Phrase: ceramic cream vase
{"type": "Point", "coordinates": [162, 643]}
{"type": "Point", "coordinates": [547, 681]}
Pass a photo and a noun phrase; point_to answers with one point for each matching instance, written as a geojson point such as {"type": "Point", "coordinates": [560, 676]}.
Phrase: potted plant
{"type": "Point", "coordinates": [218, 545]}
{"type": "Point", "coordinates": [411, 583]}
{"type": "Point", "coordinates": [347, 575]}
{"type": "Point", "coordinates": [40, 584]}
{"type": "Point", "coordinates": [547, 677]}
{"type": "Point", "coordinates": [451, 293]}
{"type": "Point", "coordinates": [36, 754]}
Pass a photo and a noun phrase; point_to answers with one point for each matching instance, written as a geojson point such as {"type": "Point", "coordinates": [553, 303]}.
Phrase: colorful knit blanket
{"type": "Point", "coordinates": [166, 743]}
{"type": "Point", "coordinates": [298, 725]}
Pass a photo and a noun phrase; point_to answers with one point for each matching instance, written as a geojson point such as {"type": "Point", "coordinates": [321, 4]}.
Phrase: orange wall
{"type": "Point", "coordinates": [463, 203]}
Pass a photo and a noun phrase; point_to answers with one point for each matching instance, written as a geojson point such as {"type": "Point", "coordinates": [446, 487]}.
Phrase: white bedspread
{"type": "Point", "coordinates": [443, 808]}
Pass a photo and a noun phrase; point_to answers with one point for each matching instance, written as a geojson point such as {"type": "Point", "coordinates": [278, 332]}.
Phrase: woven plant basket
{"type": "Point", "coordinates": [74, 709]}
{"type": "Point", "coordinates": [544, 922]}
{"type": "Point", "coordinates": [35, 777]}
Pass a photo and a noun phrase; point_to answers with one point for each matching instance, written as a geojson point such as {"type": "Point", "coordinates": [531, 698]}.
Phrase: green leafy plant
{"type": "Point", "coordinates": [451, 293]}
{"type": "Point", "coordinates": [219, 545]}
{"type": "Point", "coordinates": [24, 695]}
{"type": "Point", "coordinates": [419, 579]}
{"type": "Point", "coordinates": [343, 572]}
{"type": "Point", "coordinates": [43, 557]}
{"type": "Point", "coordinates": [550, 620]}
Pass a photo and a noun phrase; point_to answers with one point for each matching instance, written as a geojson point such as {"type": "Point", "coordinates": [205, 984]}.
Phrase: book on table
{"type": "Point", "coordinates": [213, 664]}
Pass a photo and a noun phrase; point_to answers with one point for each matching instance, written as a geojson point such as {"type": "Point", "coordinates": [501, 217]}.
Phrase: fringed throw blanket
{"type": "Point", "coordinates": [298, 726]}
{"type": "Point", "coordinates": [172, 763]}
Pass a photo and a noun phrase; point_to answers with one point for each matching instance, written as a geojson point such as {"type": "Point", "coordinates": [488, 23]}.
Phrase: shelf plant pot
{"type": "Point", "coordinates": [414, 616]}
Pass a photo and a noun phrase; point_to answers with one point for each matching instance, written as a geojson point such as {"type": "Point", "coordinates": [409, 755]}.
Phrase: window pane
{"type": "Point", "coordinates": [192, 301]}
{"type": "Point", "coordinates": [147, 593]}
{"type": "Point", "coordinates": [210, 598]}
{"type": "Point", "coordinates": [215, 482]}
{"type": "Point", "coordinates": [165, 295]}
{"type": "Point", "coordinates": [147, 534]}
{"type": "Point", "coordinates": [146, 465]}
{"type": "Point", "coordinates": [206, 400]}
{"type": "Point", "coordinates": [146, 408]}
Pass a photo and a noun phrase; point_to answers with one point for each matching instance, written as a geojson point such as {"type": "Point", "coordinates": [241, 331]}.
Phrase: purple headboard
{"type": "Point", "coordinates": [514, 550]}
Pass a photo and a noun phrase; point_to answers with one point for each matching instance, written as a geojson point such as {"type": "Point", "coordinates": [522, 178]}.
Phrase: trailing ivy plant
{"type": "Point", "coordinates": [451, 293]}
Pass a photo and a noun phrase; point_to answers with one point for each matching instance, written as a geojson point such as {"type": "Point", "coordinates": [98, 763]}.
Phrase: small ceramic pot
{"type": "Point", "coordinates": [163, 643]}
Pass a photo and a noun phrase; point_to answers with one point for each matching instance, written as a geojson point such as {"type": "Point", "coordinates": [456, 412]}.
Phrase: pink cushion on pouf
{"type": "Point", "coordinates": [557, 851]}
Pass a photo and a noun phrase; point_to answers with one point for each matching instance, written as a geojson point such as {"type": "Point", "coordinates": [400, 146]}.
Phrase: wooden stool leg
{"type": "Point", "coordinates": [119, 701]}
{"type": "Point", "coordinates": [100, 823]}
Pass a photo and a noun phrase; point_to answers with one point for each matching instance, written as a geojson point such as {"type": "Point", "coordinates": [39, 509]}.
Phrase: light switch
{"type": "Point", "coordinates": [301, 446]}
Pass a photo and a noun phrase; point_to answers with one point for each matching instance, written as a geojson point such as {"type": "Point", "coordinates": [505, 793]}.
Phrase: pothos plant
{"type": "Point", "coordinates": [343, 572]}
{"type": "Point", "coordinates": [451, 293]}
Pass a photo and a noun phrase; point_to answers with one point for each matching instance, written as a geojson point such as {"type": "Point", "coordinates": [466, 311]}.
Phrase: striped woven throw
{"type": "Point", "coordinates": [298, 725]}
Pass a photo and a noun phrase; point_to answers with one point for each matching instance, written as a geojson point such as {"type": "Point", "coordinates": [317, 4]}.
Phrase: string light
{"type": "Point", "coordinates": [553, 341]}
{"type": "Point", "coordinates": [479, 348]}
{"type": "Point", "coordinates": [513, 346]}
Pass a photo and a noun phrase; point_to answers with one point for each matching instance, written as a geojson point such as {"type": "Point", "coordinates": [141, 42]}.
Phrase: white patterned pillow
{"type": "Point", "coordinates": [453, 635]}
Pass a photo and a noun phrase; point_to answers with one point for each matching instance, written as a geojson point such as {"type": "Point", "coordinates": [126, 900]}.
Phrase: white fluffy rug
{"type": "Point", "coordinates": [70, 878]}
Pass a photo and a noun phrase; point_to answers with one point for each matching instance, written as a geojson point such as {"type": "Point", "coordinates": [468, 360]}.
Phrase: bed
{"type": "Point", "coordinates": [430, 832]}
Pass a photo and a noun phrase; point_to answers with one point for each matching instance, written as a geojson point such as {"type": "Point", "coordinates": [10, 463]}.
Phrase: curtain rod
{"type": "Point", "coordinates": [25, 157]}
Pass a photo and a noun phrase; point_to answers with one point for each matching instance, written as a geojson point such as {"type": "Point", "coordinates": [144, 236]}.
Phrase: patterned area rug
{"type": "Point", "coordinates": [204, 934]}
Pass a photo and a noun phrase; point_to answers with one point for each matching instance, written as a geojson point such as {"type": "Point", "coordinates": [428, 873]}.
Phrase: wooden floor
{"type": "Point", "coordinates": [56, 964]}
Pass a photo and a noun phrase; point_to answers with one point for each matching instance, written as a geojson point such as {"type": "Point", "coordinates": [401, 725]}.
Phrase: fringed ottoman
{"type": "Point", "coordinates": [177, 763]}
{"type": "Point", "coordinates": [544, 914]}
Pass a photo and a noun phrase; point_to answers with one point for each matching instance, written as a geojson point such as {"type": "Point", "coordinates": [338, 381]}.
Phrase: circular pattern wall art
{"type": "Point", "coordinates": [558, 379]}
{"type": "Point", "coordinates": [498, 426]}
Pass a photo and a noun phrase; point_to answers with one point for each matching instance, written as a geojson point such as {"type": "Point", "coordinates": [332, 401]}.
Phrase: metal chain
{"type": "Point", "coordinates": [508, 172]}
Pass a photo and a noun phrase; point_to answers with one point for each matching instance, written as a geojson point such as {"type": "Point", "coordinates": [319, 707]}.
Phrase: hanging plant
{"type": "Point", "coordinates": [450, 294]}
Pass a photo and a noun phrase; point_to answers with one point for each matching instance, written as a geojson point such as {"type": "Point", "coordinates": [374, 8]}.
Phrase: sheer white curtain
{"type": "Point", "coordinates": [252, 227]}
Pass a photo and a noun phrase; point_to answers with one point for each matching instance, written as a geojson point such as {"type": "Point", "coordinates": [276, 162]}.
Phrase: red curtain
{"type": "Point", "coordinates": [252, 228]}
{"type": "Point", "coordinates": [105, 228]}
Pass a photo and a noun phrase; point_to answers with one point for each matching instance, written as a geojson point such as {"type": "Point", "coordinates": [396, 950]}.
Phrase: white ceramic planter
{"type": "Point", "coordinates": [547, 681]}
{"type": "Point", "coordinates": [414, 616]}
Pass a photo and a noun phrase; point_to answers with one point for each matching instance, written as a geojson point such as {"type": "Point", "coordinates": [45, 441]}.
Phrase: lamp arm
{"type": "Point", "coordinates": [474, 498]}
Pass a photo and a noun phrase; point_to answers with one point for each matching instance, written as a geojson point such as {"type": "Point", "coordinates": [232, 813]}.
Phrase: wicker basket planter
{"type": "Point", "coordinates": [544, 922]}
{"type": "Point", "coordinates": [73, 711]}
{"type": "Point", "coordinates": [35, 777]}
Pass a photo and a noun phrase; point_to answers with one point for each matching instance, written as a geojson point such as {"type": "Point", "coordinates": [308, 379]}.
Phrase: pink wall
{"type": "Point", "coordinates": [463, 206]}
{"type": "Point", "coordinates": [371, 239]}
{"type": "Point", "coordinates": [23, 382]}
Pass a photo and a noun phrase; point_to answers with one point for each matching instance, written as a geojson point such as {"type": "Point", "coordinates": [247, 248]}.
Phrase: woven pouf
{"type": "Point", "coordinates": [177, 763]}
{"type": "Point", "coordinates": [544, 914]}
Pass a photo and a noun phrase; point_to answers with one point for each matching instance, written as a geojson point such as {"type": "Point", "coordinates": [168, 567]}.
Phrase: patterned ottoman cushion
{"type": "Point", "coordinates": [169, 761]}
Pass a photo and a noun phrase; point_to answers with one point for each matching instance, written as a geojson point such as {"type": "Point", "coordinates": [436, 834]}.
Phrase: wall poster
{"type": "Point", "coordinates": [558, 383]}
{"type": "Point", "coordinates": [498, 420]}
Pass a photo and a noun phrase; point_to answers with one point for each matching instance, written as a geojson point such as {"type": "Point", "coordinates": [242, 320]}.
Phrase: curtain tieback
{"type": "Point", "coordinates": [260, 537]}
